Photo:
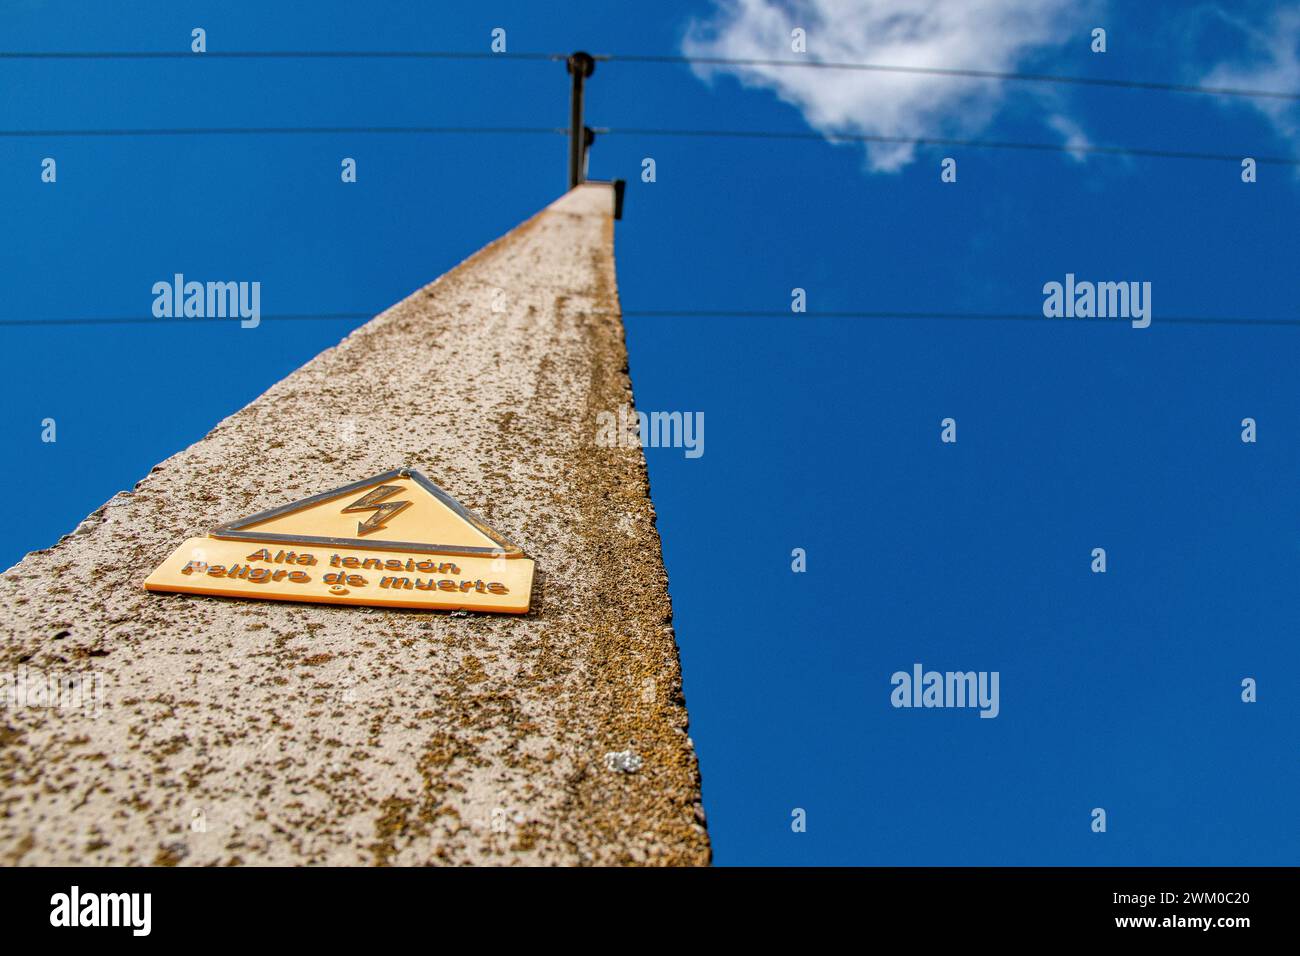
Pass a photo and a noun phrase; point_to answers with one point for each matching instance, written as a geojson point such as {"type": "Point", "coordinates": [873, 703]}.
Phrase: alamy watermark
{"type": "Point", "coordinates": [208, 300]}
{"type": "Point", "coordinates": [922, 688]}
{"type": "Point", "coordinates": [1098, 300]}
{"type": "Point", "coordinates": [63, 690]}
{"type": "Point", "coordinates": [628, 429]}
{"type": "Point", "coordinates": [130, 910]}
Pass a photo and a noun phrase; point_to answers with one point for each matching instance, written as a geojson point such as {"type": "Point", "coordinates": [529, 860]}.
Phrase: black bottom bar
{"type": "Point", "coordinates": [334, 907]}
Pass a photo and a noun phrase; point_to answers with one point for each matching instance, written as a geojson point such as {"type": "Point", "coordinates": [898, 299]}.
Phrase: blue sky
{"type": "Point", "coordinates": [1118, 690]}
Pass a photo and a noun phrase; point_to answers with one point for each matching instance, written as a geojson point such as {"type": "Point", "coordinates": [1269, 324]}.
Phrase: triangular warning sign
{"type": "Point", "coordinates": [400, 510]}
{"type": "Point", "coordinates": [394, 540]}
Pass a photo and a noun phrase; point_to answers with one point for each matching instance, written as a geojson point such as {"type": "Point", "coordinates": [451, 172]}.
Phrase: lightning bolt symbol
{"type": "Point", "coordinates": [370, 501]}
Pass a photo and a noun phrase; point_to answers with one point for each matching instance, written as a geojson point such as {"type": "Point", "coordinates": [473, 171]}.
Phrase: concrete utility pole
{"type": "Point", "coordinates": [213, 730]}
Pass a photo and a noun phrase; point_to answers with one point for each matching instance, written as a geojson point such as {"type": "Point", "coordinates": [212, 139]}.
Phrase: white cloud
{"type": "Point", "coordinates": [963, 34]}
{"type": "Point", "coordinates": [1073, 134]}
{"type": "Point", "coordinates": [1275, 65]}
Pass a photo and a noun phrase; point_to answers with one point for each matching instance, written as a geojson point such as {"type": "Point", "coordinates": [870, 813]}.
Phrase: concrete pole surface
{"type": "Point", "coordinates": [223, 731]}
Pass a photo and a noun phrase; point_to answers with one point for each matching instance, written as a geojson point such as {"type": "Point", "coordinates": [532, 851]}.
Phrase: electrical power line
{"type": "Point", "coordinates": [1083, 149]}
{"type": "Point", "coordinates": [698, 314]}
{"type": "Point", "coordinates": [283, 130]}
{"type": "Point", "coordinates": [960, 316]}
{"type": "Point", "coordinates": [152, 320]}
{"type": "Point", "coordinates": [951, 72]}
{"type": "Point", "coordinates": [276, 55]}
{"type": "Point", "coordinates": [947, 141]}
{"type": "Point", "coordinates": [966, 74]}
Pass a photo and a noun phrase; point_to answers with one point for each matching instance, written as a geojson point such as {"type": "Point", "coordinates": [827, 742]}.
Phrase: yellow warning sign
{"type": "Point", "coordinates": [394, 540]}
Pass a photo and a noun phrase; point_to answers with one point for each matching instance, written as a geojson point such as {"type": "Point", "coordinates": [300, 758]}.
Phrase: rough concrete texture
{"type": "Point", "coordinates": [237, 731]}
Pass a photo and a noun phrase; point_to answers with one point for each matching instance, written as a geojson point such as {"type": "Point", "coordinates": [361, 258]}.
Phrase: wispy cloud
{"type": "Point", "coordinates": [995, 35]}
{"type": "Point", "coordinates": [1270, 61]}
{"type": "Point", "coordinates": [1075, 138]}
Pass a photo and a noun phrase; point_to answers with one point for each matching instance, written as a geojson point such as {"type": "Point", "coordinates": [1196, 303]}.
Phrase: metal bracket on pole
{"type": "Point", "coordinates": [580, 66]}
